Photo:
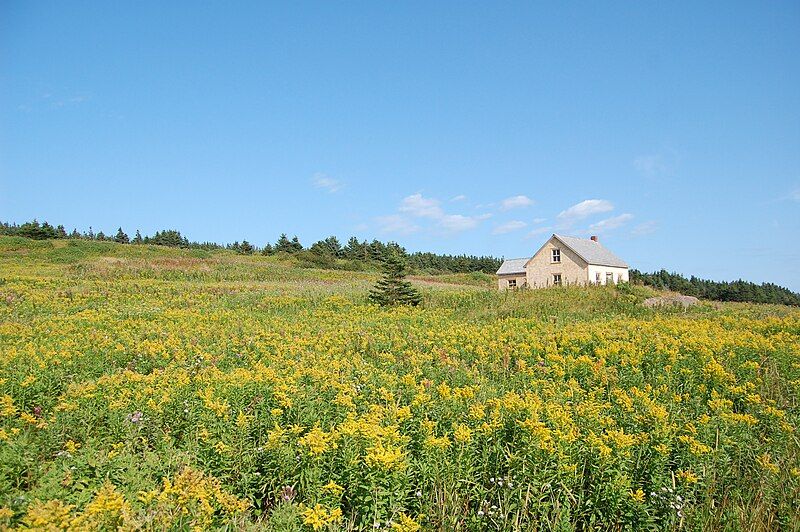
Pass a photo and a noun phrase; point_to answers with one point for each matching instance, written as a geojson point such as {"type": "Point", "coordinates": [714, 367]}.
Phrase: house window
{"type": "Point", "coordinates": [556, 255]}
{"type": "Point", "coordinates": [512, 283]}
{"type": "Point", "coordinates": [597, 277]}
{"type": "Point", "coordinates": [557, 279]}
{"type": "Point", "coordinates": [609, 278]}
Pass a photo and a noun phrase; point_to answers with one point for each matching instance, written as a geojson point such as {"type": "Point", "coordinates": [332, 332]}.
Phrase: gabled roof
{"type": "Point", "coordinates": [591, 251]}
{"type": "Point", "coordinates": [510, 266]}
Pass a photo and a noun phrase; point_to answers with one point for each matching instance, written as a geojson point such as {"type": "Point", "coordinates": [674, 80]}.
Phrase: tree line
{"type": "Point", "coordinates": [355, 254]}
{"type": "Point", "coordinates": [740, 290]}
{"type": "Point", "coordinates": [358, 254]}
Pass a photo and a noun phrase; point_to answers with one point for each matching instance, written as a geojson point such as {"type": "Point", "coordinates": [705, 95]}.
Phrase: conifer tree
{"type": "Point", "coordinates": [246, 248]}
{"type": "Point", "coordinates": [393, 289]}
{"type": "Point", "coordinates": [121, 237]}
{"type": "Point", "coordinates": [138, 238]}
{"type": "Point", "coordinates": [283, 244]}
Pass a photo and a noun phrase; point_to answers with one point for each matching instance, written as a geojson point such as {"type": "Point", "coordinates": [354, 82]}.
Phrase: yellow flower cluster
{"type": "Point", "coordinates": [278, 386]}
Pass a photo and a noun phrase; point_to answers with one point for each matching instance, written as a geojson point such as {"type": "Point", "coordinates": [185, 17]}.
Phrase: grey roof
{"type": "Point", "coordinates": [510, 266]}
{"type": "Point", "coordinates": [591, 251]}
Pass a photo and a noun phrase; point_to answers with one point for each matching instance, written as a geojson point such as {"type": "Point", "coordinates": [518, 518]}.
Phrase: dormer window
{"type": "Point", "coordinates": [556, 255]}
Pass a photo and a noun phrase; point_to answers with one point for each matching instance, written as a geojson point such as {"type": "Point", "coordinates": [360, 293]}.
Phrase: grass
{"type": "Point", "coordinates": [151, 388]}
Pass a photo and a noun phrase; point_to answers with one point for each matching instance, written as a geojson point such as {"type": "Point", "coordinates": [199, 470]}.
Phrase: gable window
{"type": "Point", "coordinates": [556, 255]}
{"type": "Point", "coordinates": [609, 278]}
{"type": "Point", "coordinates": [512, 283]}
{"type": "Point", "coordinates": [557, 279]}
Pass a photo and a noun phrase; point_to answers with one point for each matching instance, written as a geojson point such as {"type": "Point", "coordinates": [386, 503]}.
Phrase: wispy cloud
{"type": "Point", "coordinates": [458, 222]}
{"type": "Point", "coordinates": [508, 227]}
{"type": "Point", "coordinates": [655, 166]}
{"type": "Point", "coordinates": [460, 197]}
{"type": "Point", "coordinates": [650, 166]}
{"type": "Point", "coordinates": [539, 220]}
{"type": "Point", "coordinates": [645, 228]}
{"type": "Point", "coordinates": [610, 223]}
{"type": "Point", "coordinates": [418, 207]}
{"type": "Point", "coordinates": [795, 195]}
{"type": "Point", "coordinates": [539, 231]}
{"type": "Point", "coordinates": [421, 207]}
{"type": "Point", "coordinates": [395, 223]}
{"type": "Point", "coordinates": [324, 182]}
{"type": "Point", "coordinates": [515, 202]}
{"type": "Point", "coordinates": [582, 210]}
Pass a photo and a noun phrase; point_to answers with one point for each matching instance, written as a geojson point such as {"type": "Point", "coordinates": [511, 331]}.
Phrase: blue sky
{"type": "Point", "coordinates": [671, 130]}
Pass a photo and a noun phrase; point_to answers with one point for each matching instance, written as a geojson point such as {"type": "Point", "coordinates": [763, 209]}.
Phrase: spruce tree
{"type": "Point", "coordinates": [138, 238]}
{"type": "Point", "coordinates": [393, 289]}
{"type": "Point", "coordinates": [121, 237]}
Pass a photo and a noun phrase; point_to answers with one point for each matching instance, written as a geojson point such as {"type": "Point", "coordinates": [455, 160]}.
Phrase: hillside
{"type": "Point", "coordinates": [139, 381]}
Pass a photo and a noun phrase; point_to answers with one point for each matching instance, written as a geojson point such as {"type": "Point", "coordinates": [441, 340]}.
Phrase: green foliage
{"type": "Point", "coordinates": [392, 288]}
{"type": "Point", "coordinates": [121, 237]}
{"type": "Point", "coordinates": [740, 290]}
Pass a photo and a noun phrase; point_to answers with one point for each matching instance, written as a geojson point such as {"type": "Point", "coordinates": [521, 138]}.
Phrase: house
{"type": "Point", "coordinates": [564, 260]}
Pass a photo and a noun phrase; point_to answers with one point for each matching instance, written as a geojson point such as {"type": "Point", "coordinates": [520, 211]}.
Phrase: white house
{"type": "Point", "coordinates": [564, 260]}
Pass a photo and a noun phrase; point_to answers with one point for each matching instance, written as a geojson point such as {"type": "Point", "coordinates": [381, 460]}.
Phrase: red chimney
{"type": "Point", "coordinates": [594, 237]}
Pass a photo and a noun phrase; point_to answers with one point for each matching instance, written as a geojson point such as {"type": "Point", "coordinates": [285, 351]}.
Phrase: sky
{"type": "Point", "coordinates": [669, 129]}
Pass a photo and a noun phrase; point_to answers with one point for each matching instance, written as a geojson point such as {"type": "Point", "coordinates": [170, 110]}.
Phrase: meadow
{"type": "Point", "coordinates": [151, 388]}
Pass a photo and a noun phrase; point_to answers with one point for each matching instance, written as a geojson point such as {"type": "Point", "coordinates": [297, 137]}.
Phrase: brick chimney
{"type": "Point", "coordinates": [594, 237]}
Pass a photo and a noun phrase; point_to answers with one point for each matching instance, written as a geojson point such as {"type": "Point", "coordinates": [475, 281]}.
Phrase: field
{"type": "Point", "coordinates": [153, 388]}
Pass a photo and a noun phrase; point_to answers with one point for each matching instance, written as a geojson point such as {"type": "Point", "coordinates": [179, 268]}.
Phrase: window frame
{"type": "Point", "coordinates": [558, 280]}
{"type": "Point", "coordinates": [555, 256]}
{"type": "Point", "coordinates": [609, 277]}
{"type": "Point", "coordinates": [512, 281]}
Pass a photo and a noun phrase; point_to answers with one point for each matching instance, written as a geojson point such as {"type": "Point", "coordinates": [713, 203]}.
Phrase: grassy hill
{"type": "Point", "coordinates": [160, 388]}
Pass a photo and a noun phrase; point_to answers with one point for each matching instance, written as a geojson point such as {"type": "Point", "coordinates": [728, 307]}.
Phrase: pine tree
{"type": "Point", "coordinates": [283, 244]}
{"type": "Point", "coordinates": [296, 245]}
{"type": "Point", "coordinates": [138, 238]}
{"type": "Point", "coordinates": [121, 237]}
{"type": "Point", "coordinates": [246, 248]}
{"type": "Point", "coordinates": [392, 288]}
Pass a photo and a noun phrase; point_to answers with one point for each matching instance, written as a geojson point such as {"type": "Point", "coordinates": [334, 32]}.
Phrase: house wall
{"type": "Point", "coordinates": [540, 268]}
{"type": "Point", "coordinates": [502, 280]}
{"type": "Point", "coordinates": [620, 274]}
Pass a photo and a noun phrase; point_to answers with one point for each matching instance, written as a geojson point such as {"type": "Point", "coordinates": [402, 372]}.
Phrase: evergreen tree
{"type": "Point", "coordinates": [138, 238]}
{"type": "Point", "coordinates": [245, 248]}
{"type": "Point", "coordinates": [100, 236]}
{"type": "Point", "coordinates": [121, 237]}
{"type": "Point", "coordinates": [61, 232]}
{"type": "Point", "coordinates": [74, 233]}
{"type": "Point", "coordinates": [392, 288]}
{"type": "Point", "coordinates": [283, 244]}
{"type": "Point", "coordinates": [268, 249]}
{"type": "Point", "coordinates": [296, 245]}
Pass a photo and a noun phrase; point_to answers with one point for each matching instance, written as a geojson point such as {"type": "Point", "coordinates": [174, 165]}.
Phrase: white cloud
{"type": "Point", "coordinates": [795, 195]}
{"type": "Point", "coordinates": [581, 210]}
{"type": "Point", "coordinates": [421, 207]}
{"type": "Point", "coordinates": [539, 220]}
{"type": "Point", "coordinates": [395, 223]}
{"type": "Point", "coordinates": [417, 206]}
{"type": "Point", "coordinates": [322, 181]}
{"type": "Point", "coordinates": [458, 222]}
{"type": "Point", "coordinates": [610, 223]}
{"type": "Point", "coordinates": [539, 231]}
{"type": "Point", "coordinates": [651, 166]}
{"type": "Point", "coordinates": [460, 197]}
{"type": "Point", "coordinates": [515, 202]}
{"type": "Point", "coordinates": [508, 227]}
{"type": "Point", "coordinates": [645, 228]}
